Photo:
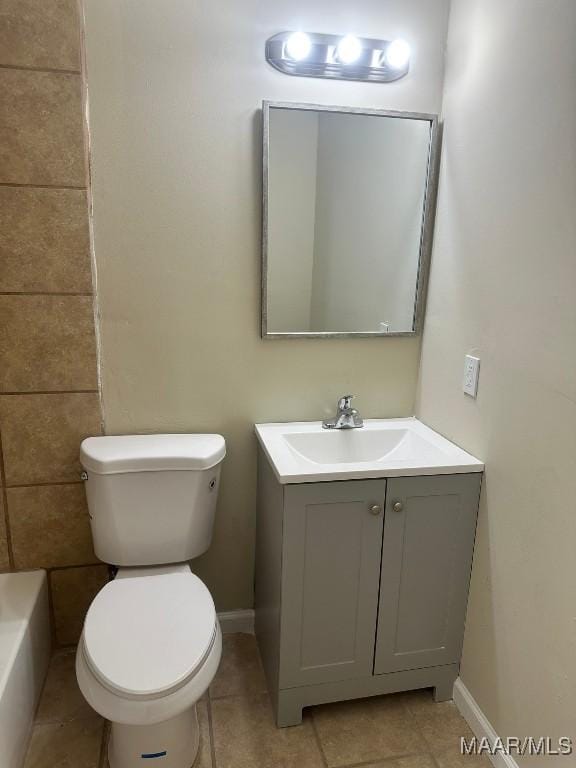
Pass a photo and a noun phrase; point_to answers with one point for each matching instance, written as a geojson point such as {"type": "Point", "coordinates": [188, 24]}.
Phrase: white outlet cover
{"type": "Point", "coordinates": [471, 373]}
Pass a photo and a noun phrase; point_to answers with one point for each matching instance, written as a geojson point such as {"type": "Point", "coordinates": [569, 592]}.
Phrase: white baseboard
{"type": "Point", "coordinates": [479, 723]}
{"type": "Point", "coordinates": [237, 621]}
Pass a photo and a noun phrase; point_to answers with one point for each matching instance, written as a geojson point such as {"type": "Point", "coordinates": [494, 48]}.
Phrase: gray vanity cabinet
{"type": "Point", "coordinates": [330, 575]}
{"type": "Point", "coordinates": [426, 560]}
{"type": "Point", "coordinates": [361, 585]}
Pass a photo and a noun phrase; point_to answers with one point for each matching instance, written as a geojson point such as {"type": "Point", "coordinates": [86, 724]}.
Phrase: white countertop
{"type": "Point", "coordinates": [304, 452]}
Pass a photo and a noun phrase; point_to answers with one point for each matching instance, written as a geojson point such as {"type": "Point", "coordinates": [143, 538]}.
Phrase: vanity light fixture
{"type": "Point", "coordinates": [348, 50]}
{"type": "Point", "coordinates": [397, 54]}
{"type": "Point", "coordinates": [298, 46]}
{"type": "Point", "coordinates": [343, 57]}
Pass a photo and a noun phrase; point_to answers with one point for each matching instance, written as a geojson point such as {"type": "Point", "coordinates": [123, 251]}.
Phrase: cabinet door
{"type": "Point", "coordinates": [429, 530]}
{"type": "Point", "coordinates": [332, 544]}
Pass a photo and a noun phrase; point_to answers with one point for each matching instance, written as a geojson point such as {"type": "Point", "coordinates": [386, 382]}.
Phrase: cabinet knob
{"type": "Point", "coordinates": [375, 509]}
{"type": "Point", "coordinates": [397, 506]}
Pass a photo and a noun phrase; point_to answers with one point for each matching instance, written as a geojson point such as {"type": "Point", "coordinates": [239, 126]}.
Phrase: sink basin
{"type": "Point", "coordinates": [350, 446]}
{"type": "Point", "coordinates": [304, 452]}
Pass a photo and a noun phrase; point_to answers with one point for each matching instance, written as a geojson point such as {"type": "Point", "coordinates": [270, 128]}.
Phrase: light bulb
{"type": "Point", "coordinates": [349, 49]}
{"type": "Point", "coordinates": [298, 46]}
{"type": "Point", "coordinates": [397, 54]}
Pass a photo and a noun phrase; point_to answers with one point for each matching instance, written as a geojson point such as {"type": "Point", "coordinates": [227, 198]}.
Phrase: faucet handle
{"type": "Point", "coordinates": [345, 403]}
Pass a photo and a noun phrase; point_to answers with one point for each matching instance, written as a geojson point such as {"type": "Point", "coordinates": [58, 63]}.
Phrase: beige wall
{"type": "Point", "coordinates": [48, 383]}
{"type": "Point", "coordinates": [174, 91]}
{"type": "Point", "coordinates": [502, 287]}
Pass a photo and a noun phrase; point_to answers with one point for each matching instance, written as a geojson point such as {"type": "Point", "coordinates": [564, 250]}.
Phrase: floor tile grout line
{"type": "Point", "coordinates": [103, 756]}
{"type": "Point", "coordinates": [30, 185]}
{"type": "Point", "coordinates": [48, 70]}
{"type": "Point", "coordinates": [35, 721]}
{"type": "Point", "coordinates": [52, 568]}
{"type": "Point", "coordinates": [211, 730]}
{"type": "Point", "coordinates": [420, 731]}
{"type": "Point", "coordinates": [390, 759]}
{"type": "Point", "coordinates": [318, 742]}
{"type": "Point", "coordinates": [57, 294]}
{"type": "Point", "coordinates": [236, 695]}
{"type": "Point", "coordinates": [11, 486]}
{"type": "Point", "coordinates": [14, 393]}
{"type": "Point", "coordinates": [434, 760]}
{"type": "Point", "coordinates": [5, 515]}
{"type": "Point", "coordinates": [65, 720]}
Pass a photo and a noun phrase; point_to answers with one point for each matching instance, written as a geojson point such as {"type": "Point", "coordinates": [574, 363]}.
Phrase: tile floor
{"type": "Point", "coordinates": [237, 731]}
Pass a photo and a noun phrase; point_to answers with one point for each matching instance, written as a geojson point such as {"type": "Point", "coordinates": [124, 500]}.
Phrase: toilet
{"type": "Point", "coordinates": [151, 641]}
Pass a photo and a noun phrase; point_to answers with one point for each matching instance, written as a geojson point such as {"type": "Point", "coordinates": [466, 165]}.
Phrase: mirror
{"type": "Point", "coordinates": [347, 225]}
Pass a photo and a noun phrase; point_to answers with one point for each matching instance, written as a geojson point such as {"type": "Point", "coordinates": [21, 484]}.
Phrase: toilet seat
{"type": "Point", "coordinates": [146, 636]}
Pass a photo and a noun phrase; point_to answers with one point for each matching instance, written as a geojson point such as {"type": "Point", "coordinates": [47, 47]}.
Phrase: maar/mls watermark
{"type": "Point", "coordinates": [513, 745]}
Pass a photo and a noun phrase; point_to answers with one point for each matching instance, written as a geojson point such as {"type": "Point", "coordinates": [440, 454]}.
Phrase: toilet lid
{"type": "Point", "coordinates": [146, 635]}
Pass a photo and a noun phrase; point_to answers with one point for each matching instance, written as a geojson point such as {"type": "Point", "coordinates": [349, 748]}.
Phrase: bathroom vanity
{"type": "Point", "coordinates": [364, 548]}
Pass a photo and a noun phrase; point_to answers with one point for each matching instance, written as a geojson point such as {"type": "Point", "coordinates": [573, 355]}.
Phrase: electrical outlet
{"type": "Point", "coordinates": [471, 372]}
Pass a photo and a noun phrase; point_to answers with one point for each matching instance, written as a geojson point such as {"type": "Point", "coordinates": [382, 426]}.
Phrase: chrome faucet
{"type": "Point", "coordinates": [346, 416]}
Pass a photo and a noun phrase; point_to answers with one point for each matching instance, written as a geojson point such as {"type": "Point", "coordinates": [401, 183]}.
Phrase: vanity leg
{"type": "Point", "coordinates": [289, 710]}
{"type": "Point", "coordinates": [443, 691]}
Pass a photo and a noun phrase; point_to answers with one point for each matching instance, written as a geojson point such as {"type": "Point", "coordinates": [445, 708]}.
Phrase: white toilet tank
{"type": "Point", "coordinates": [152, 498]}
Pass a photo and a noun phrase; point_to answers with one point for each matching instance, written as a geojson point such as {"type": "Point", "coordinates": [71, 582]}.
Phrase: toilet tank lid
{"type": "Point", "coordinates": [117, 454]}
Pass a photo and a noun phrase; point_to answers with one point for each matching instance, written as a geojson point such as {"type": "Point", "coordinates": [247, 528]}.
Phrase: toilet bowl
{"type": "Point", "coordinates": [150, 647]}
{"type": "Point", "coordinates": [151, 641]}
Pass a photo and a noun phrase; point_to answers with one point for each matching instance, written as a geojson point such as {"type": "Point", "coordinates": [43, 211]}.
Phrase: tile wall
{"type": "Point", "coordinates": [48, 376]}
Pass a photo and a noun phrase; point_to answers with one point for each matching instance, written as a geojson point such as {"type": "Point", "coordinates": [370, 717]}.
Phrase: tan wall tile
{"type": "Point", "coordinates": [47, 343]}
{"type": "Point", "coordinates": [41, 134]}
{"type": "Point", "coordinates": [49, 526]}
{"type": "Point", "coordinates": [41, 435]}
{"type": "Point", "coordinates": [73, 590]}
{"type": "Point", "coordinates": [40, 33]}
{"type": "Point", "coordinates": [4, 559]}
{"type": "Point", "coordinates": [44, 240]}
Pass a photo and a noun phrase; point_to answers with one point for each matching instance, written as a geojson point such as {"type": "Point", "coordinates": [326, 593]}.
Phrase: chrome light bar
{"type": "Point", "coordinates": [342, 57]}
